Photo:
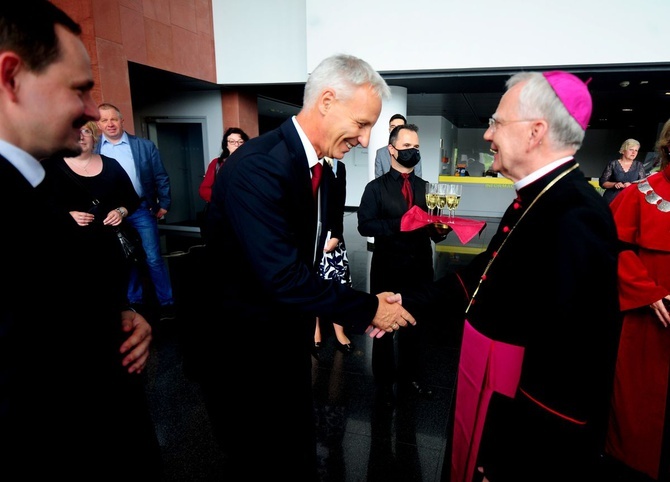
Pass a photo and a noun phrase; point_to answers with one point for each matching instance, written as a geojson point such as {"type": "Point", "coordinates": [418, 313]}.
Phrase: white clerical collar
{"type": "Point", "coordinates": [533, 176]}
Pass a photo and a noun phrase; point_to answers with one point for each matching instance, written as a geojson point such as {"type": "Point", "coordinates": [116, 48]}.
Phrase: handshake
{"type": "Point", "coordinates": [390, 315]}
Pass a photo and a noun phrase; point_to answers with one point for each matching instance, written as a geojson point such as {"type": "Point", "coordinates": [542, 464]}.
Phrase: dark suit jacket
{"type": "Point", "coordinates": [263, 211]}
{"type": "Point", "coordinates": [149, 165]}
{"type": "Point", "coordinates": [65, 399]}
{"type": "Point", "coordinates": [337, 186]}
{"type": "Point", "coordinates": [29, 269]}
{"type": "Point", "coordinates": [261, 232]}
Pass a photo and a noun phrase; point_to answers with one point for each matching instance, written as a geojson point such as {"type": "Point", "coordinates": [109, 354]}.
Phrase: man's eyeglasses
{"type": "Point", "coordinates": [86, 132]}
{"type": "Point", "coordinates": [233, 142]}
{"type": "Point", "coordinates": [495, 123]}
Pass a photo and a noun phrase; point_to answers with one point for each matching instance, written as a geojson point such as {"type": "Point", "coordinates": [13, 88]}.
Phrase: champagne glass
{"type": "Point", "coordinates": [431, 198]}
{"type": "Point", "coordinates": [453, 198]}
{"type": "Point", "coordinates": [441, 197]}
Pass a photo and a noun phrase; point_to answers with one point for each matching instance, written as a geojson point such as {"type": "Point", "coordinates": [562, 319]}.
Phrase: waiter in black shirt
{"type": "Point", "coordinates": [400, 259]}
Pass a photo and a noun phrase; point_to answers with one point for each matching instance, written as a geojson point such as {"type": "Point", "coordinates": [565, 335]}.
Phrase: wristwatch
{"type": "Point", "coordinates": [122, 212]}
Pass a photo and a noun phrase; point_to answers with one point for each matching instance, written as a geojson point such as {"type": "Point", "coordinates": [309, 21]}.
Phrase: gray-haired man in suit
{"type": "Point", "coordinates": [262, 237]}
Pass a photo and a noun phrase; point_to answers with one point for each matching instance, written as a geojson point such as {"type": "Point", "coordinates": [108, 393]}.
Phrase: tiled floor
{"type": "Point", "coordinates": [357, 439]}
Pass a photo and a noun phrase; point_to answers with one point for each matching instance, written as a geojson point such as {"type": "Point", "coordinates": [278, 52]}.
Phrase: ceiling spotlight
{"type": "Point", "coordinates": [625, 83]}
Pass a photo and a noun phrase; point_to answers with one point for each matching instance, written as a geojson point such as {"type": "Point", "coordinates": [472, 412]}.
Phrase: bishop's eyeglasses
{"type": "Point", "coordinates": [495, 123]}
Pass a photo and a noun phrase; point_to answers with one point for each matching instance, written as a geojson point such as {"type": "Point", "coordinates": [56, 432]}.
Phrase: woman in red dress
{"type": "Point", "coordinates": [639, 429]}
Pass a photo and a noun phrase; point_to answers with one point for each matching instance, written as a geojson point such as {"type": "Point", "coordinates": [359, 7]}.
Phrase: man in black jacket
{"type": "Point", "coordinates": [264, 240]}
{"type": "Point", "coordinates": [71, 403]}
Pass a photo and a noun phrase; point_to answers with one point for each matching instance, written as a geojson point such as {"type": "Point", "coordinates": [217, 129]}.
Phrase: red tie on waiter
{"type": "Point", "coordinates": [317, 170]}
{"type": "Point", "coordinates": [407, 189]}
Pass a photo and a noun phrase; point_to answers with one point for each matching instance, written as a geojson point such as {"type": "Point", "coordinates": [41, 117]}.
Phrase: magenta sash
{"type": "Point", "coordinates": [485, 366]}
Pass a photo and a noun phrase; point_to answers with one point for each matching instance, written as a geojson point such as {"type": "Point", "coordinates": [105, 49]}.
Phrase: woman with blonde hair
{"type": "Point", "coordinates": [98, 177]}
{"type": "Point", "coordinates": [621, 173]}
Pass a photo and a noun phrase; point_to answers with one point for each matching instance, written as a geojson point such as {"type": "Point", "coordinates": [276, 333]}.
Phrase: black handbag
{"type": "Point", "coordinates": [129, 238]}
{"type": "Point", "coordinates": [131, 244]}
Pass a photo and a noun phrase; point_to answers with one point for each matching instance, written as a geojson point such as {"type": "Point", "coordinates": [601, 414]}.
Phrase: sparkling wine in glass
{"type": "Point", "coordinates": [441, 197]}
{"type": "Point", "coordinates": [453, 198]}
{"type": "Point", "coordinates": [431, 197]}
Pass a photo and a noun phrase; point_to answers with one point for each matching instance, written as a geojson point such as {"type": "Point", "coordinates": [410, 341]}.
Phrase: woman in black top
{"type": "Point", "coordinates": [96, 277]}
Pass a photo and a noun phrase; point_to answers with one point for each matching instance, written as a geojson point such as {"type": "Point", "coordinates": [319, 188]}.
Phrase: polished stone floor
{"type": "Point", "coordinates": [358, 440]}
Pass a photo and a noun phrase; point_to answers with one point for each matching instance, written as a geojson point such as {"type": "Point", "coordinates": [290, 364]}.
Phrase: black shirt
{"type": "Point", "coordinates": [399, 258]}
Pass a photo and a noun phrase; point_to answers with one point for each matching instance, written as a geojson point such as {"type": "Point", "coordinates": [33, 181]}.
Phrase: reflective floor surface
{"type": "Point", "coordinates": [358, 439]}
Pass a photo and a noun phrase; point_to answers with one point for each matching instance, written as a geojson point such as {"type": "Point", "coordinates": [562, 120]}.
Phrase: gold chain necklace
{"type": "Point", "coordinates": [84, 166]}
{"type": "Point", "coordinates": [488, 266]}
{"type": "Point", "coordinates": [652, 198]}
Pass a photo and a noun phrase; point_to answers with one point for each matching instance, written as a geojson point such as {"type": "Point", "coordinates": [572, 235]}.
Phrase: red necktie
{"type": "Point", "coordinates": [407, 189]}
{"type": "Point", "coordinates": [317, 169]}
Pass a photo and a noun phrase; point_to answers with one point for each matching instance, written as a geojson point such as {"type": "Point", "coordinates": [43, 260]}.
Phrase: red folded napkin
{"type": "Point", "coordinates": [465, 229]}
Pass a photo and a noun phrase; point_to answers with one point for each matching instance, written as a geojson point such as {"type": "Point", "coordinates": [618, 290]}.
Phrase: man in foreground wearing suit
{"type": "Point", "coordinates": [69, 352]}
{"type": "Point", "coordinates": [264, 242]}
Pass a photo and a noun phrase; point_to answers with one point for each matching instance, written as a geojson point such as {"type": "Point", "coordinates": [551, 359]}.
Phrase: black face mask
{"type": "Point", "coordinates": [408, 157]}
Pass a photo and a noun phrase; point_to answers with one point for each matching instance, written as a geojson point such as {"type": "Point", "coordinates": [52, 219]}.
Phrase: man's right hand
{"type": "Point", "coordinates": [390, 315]}
{"type": "Point", "coordinates": [135, 349]}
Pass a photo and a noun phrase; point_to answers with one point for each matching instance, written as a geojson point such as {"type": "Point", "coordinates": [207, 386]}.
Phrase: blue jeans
{"type": "Point", "coordinates": [146, 225]}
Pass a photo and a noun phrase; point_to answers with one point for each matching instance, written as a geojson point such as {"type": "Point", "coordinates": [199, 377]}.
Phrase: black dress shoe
{"type": "Point", "coordinates": [420, 389]}
{"type": "Point", "coordinates": [345, 347]}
